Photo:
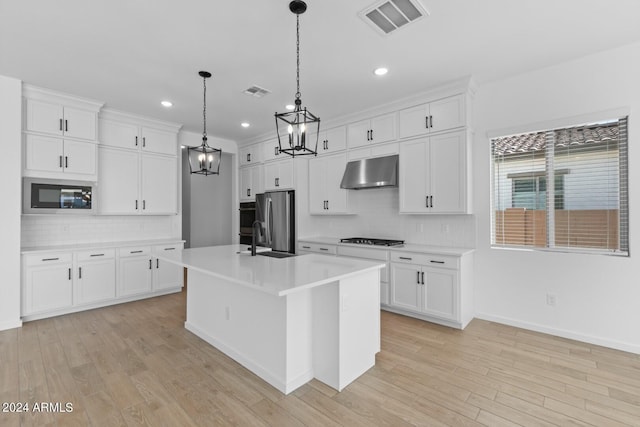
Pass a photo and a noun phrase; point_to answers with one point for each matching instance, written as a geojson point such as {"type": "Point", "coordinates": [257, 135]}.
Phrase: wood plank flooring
{"type": "Point", "coordinates": [134, 365]}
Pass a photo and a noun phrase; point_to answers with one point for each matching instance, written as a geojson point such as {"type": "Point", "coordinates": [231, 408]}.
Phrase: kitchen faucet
{"type": "Point", "coordinates": [253, 235]}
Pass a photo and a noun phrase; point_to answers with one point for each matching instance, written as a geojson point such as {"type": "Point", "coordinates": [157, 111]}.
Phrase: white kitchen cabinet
{"type": "Point", "coordinates": [325, 195]}
{"type": "Point", "coordinates": [95, 276]}
{"type": "Point", "coordinates": [331, 141]}
{"type": "Point", "coordinates": [250, 155]}
{"type": "Point", "coordinates": [372, 131]}
{"type": "Point", "coordinates": [47, 282]}
{"type": "Point", "coordinates": [48, 157]}
{"type": "Point", "coordinates": [271, 150]}
{"type": "Point", "coordinates": [373, 151]}
{"type": "Point", "coordinates": [133, 183]}
{"type": "Point", "coordinates": [251, 182]}
{"type": "Point", "coordinates": [167, 275]}
{"type": "Point", "coordinates": [135, 271]}
{"type": "Point", "coordinates": [57, 119]}
{"type": "Point", "coordinates": [440, 115]}
{"type": "Point", "coordinates": [433, 174]}
{"type": "Point", "coordinates": [159, 184]}
{"type": "Point", "coordinates": [371, 254]}
{"type": "Point", "coordinates": [123, 130]}
{"type": "Point", "coordinates": [279, 175]}
{"type": "Point", "coordinates": [318, 248]}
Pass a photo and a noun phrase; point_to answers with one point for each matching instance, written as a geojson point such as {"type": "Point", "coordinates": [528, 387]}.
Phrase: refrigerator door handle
{"type": "Point", "coordinates": [268, 214]}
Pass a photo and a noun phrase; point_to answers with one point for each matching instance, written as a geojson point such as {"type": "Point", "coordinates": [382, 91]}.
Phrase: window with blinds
{"type": "Point", "coordinates": [563, 189]}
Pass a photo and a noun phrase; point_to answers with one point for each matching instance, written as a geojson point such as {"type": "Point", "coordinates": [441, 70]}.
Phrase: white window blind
{"type": "Point", "coordinates": [562, 189]}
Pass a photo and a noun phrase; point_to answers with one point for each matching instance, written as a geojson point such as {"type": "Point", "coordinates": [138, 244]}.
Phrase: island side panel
{"type": "Point", "coordinates": [346, 328]}
{"type": "Point", "coordinates": [247, 325]}
{"type": "Point", "coordinates": [299, 363]}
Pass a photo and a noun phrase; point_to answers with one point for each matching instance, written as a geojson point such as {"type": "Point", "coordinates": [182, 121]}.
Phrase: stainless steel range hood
{"type": "Point", "coordinates": [371, 173]}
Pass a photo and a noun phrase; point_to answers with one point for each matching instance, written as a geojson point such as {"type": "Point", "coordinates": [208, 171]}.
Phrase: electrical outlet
{"type": "Point", "coordinates": [552, 299]}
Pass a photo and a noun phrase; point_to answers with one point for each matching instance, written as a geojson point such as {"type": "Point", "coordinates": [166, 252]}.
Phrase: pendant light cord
{"type": "Point", "coordinates": [297, 59]}
{"type": "Point", "coordinates": [204, 110]}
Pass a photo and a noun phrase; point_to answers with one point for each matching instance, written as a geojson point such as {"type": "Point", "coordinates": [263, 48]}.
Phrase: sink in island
{"type": "Point", "coordinates": [288, 320]}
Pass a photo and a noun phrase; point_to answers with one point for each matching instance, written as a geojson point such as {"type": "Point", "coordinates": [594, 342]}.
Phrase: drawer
{"type": "Point", "coordinates": [368, 254]}
{"type": "Point", "coordinates": [134, 251]}
{"type": "Point", "coordinates": [96, 254]}
{"type": "Point", "coordinates": [48, 258]}
{"type": "Point", "coordinates": [175, 247]}
{"type": "Point", "coordinates": [430, 260]}
{"type": "Point", "coordinates": [317, 247]}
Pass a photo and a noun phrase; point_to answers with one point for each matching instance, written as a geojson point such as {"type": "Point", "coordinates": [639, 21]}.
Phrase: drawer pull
{"type": "Point", "coordinates": [92, 255]}
{"type": "Point", "coordinates": [436, 262]}
{"type": "Point", "coordinates": [50, 259]}
{"type": "Point", "coordinates": [135, 252]}
{"type": "Point", "coordinates": [169, 249]}
{"type": "Point", "coordinates": [324, 249]}
{"type": "Point", "coordinates": [69, 274]}
{"type": "Point", "coordinates": [306, 247]}
{"type": "Point", "coordinates": [406, 258]}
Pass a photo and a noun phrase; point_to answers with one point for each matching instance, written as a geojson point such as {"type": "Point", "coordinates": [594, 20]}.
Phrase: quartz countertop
{"type": "Point", "coordinates": [407, 247]}
{"type": "Point", "coordinates": [275, 276]}
{"type": "Point", "coordinates": [97, 245]}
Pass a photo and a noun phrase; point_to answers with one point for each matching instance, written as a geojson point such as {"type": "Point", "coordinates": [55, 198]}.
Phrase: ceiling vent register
{"type": "Point", "coordinates": [389, 15]}
{"type": "Point", "coordinates": [256, 91]}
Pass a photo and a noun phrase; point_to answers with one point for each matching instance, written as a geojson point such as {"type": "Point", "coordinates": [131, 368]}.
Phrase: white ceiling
{"type": "Point", "coordinates": [132, 54]}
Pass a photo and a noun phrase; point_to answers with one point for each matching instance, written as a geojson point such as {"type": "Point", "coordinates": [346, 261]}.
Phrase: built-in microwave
{"type": "Point", "coordinates": [42, 196]}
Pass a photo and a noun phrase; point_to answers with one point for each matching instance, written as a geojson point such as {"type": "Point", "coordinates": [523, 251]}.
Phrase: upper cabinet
{"type": "Point", "coordinates": [331, 141]}
{"type": "Point", "coordinates": [372, 131]}
{"type": "Point", "coordinates": [251, 182]}
{"type": "Point", "coordinates": [437, 116]}
{"type": "Point", "coordinates": [279, 175]}
{"type": "Point", "coordinates": [433, 175]}
{"type": "Point", "coordinates": [250, 155]}
{"type": "Point", "coordinates": [59, 135]}
{"type": "Point", "coordinates": [123, 130]}
{"type": "Point", "coordinates": [271, 150]}
{"type": "Point", "coordinates": [325, 195]}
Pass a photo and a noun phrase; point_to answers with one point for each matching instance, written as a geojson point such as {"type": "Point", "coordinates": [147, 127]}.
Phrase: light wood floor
{"type": "Point", "coordinates": [135, 364]}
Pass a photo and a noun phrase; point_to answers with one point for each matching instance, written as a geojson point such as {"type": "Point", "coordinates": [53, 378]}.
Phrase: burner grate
{"type": "Point", "coordinates": [372, 241]}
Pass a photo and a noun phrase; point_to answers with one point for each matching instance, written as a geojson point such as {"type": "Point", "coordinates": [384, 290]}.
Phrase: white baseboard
{"type": "Point", "coordinates": [617, 345]}
{"type": "Point", "coordinates": [10, 324]}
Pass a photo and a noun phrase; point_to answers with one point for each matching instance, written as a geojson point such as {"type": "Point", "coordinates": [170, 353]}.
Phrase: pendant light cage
{"type": "Point", "coordinates": [203, 159]}
{"type": "Point", "coordinates": [302, 127]}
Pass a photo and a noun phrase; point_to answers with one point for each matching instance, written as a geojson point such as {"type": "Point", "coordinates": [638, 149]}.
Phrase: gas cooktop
{"type": "Point", "coordinates": [371, 241]}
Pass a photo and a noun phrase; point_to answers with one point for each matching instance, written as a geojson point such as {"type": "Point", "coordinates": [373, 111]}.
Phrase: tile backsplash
{"type": "Point", "coordinates": [376, 215]}
{"type": "Point", "coordinates": [46, 230]}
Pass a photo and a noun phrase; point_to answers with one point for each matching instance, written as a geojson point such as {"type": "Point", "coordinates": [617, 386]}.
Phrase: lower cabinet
{"type": "Point", "coordinates": [166, 275]}
{"type": "Point", "coordinates": [96, 276]}
{"type": "Point", "coordinates": [55, 283]}
{"type": "Point", "coordinates": [47, 282]}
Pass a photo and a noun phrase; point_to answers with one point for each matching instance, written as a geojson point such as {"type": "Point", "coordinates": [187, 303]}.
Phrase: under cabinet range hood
{"type": "Point", "coordinates": [371, 173]}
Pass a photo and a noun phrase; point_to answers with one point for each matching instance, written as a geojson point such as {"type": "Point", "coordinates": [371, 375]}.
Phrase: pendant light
{"type": "Point", "coordinates": [300, 123]}
{"type": "Point", "coordinates": [204, 160]}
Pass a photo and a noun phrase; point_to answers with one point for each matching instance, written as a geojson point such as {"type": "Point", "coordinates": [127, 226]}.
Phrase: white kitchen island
{"type": "Point", "coordinates": [288, 320]}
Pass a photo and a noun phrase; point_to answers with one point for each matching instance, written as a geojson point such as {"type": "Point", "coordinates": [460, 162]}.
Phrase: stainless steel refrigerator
{"type": "Point", "coordinates": [276, 211]}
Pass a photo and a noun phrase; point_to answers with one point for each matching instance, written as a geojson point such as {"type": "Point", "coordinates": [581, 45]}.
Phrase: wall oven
{"type": "Point", "coordinates": [247, 216]}
{"type": "Point", "coordinates": [46, 196]}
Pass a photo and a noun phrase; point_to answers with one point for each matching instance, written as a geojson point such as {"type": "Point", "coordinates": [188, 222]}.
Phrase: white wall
{"type": "Point", "coordinates": [10, 183]}
{"type": "Point", "coordinates": [598, 297]}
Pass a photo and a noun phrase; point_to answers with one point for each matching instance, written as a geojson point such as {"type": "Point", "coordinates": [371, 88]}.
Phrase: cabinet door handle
{"type": "Point", "coordinates": [426, 122]}
{"type": "Point", "coordinates": [423, 277]}
{"type": "Point", "coordinates": [431, 122]}
{"type": "Point", "coordinates": [136, 141]}
{"type": "Point", "coordinates": [96, 255]}
{"type": "Point", "coordinates": [426, 201]}
{"type": "Point", "coordinates": [144, 204]}
{"type": "Point", "coordinates": [327, 205]}
{"type": "Point", "coordinates": [150, 264]}
{"type": "Point", "coordinates": [406, 258]}
{"type": "Point", "coordinates": [248, 157]}
{"type": "Point", "coordinates": [418, 277]}
{"type": "Point", "coordinates": [60, 162]}
{"type": "Point", "coordinates": [144, 141]}
{"type": "Point", "coordinates": [157, 263]}
{"type": "Point", "coordinates": [436, 262]}
{"type": "Point", "coordinates": [60, 125]}
{"type": "Point", "coordinates": [431, 201]}
{"type": "Point", "coordinates": [50, 259]}
{"type": "Point", "coordinates": [66, 125]}
{"type": "Point", "coordinates": [248, 192]}
{"type": "Point", "coordinates": [79, 272]}
{"type": "Point", "coordinates": [66, 162]}
{"type": "Point", "coordinates": [135, 252]}
{"type": "Point", "coordinates": [371, 134]}
{"type": "Point", "coordinates": [277, 182]}
{"type": "Point", "coordinates": [275, 150]}
{"type": "Point", "coordinates": [136, 204]}
{"type": "Point", "coordinates": [368, 136]}
{"type": "Point", "coordinates": [69, 274]}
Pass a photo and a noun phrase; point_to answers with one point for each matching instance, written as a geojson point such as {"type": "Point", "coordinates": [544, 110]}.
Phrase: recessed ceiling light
{"type": "Point", "coordinates": [381, 71]}
{"type": "Point", "coordinates": [167, 104]}
{"type": "Point", "coordinates": [289, 107]}
{"type": "Point", "coordinates": [245, 124]}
